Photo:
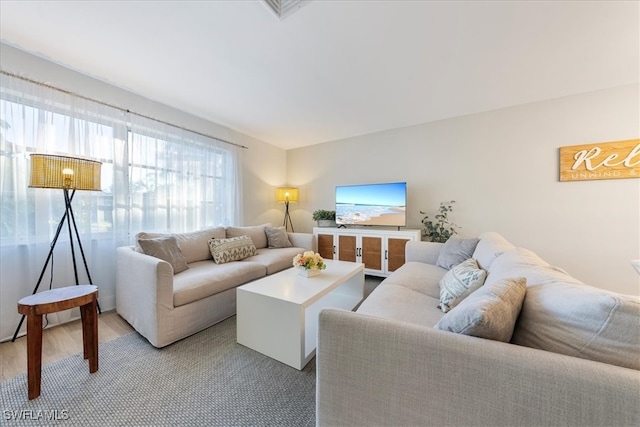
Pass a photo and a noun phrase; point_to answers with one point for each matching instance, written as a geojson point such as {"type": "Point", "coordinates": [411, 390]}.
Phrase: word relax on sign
{"type": "Point", "coordinates": [605, 160]}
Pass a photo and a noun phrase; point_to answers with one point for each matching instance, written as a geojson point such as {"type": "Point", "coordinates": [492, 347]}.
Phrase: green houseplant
{"type": "Point", "coordinates": [325, 218]}
{"type": "Point", "coordinates": [440, 228]}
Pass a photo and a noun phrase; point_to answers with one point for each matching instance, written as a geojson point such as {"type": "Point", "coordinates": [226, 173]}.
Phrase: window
{"type": "Point", "coordinates": [155, 177]}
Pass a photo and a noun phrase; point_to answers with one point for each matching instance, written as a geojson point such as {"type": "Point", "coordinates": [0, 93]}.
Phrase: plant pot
{"type": "Point", "coordinates": [307, 273]}
{"type": "Point", "coordinates": [327, 223]}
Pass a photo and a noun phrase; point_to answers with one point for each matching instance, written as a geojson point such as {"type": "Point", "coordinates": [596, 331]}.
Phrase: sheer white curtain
{"type": "Point", "coordinates": [179, 180]}
{"type": "Point", "coordinates": [154, 177]}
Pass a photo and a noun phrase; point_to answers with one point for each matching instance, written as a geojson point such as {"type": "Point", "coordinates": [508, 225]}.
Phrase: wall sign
{"type": "Point", "coordinates": [603, 160]}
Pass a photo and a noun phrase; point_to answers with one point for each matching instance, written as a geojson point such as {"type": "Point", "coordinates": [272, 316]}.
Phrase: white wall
{"type": "Point", "coordinates": [264, 165]}
{"type": "Point", "coordinates": [501, 167]}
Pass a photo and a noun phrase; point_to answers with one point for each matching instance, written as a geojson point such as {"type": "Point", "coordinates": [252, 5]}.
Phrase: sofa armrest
{"type": "Point", "coordinates": [375, 371]}
{"type": "Point", "coordinates": [303, 240]}
{"type": "Point", "coordinates": [144, 287]}
{"type": "Point", "coordinates": [426, 252]}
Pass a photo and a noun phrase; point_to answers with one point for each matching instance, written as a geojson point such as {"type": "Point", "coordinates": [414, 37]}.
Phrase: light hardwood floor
{"type": "Point", "coordinates": [58, 342]}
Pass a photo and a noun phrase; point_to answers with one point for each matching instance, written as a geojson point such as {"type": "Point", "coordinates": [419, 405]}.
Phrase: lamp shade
{"type": "Point", "coordinates": [51, 171]}
{"type": "Point", "coordinates": [287, 194]}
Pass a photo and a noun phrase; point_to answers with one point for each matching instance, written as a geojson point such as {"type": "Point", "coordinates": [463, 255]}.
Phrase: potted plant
{"type": "Point", "coordinates": [325, 218]}
{"type": "Point", "coordinates": [440, 229]}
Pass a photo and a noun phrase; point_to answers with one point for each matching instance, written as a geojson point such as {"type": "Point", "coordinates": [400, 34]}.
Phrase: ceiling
{"type": "Point", "coordinates": [335, 69]}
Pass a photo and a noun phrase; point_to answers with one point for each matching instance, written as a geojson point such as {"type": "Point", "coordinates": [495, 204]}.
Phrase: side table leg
{"type": "Point", "coordinates": [89, 313]}
{"type": "Point", "coordinates": [34, 353]}
{"type": "Point", "coordinates": [85, 332]}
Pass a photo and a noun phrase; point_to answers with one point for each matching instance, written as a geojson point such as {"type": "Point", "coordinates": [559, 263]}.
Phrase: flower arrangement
{"type": "Point", "coordinates": [309, 260]}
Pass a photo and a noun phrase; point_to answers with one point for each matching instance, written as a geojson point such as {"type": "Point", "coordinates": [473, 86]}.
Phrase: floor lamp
{"type": "Point", "coordinates": [287, 195]}
{"type": "Point", "coordinates": [69, 174]}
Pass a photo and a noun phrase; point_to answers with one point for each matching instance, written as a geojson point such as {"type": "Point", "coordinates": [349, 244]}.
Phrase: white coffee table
{"type": "Point", "coordinates": [278, 314]}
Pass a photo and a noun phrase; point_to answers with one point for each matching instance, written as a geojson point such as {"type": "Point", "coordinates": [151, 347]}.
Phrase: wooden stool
{"type": "Point", "coordinates": [36, 305]}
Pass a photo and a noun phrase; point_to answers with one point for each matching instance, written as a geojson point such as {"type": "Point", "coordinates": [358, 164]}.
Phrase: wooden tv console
{"type": "Point", "coordinates": [381, 251]}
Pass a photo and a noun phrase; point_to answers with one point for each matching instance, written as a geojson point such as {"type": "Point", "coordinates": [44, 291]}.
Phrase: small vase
{"type": "Point", "coordinates": [307, 273]}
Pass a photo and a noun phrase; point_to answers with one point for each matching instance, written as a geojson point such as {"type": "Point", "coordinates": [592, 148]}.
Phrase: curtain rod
{"type": "Point", "coordinates": [86, 98]}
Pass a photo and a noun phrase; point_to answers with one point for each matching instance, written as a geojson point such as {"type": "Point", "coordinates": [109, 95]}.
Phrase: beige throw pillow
{"type": "Point", "coordinates": [165, 248]}
{"type": "Point", "coordinates": [233, 249]}
{"type": "Point", "coordinates": [459, 282]}
{"type": "Point", "coordinates": [277, 237]}
{"type": "Point", "coordinates": [490, 312]}
{"type": "Point", "coordinates": [193, 245]}
{"type": "Point", "coordinates": [455, 250]}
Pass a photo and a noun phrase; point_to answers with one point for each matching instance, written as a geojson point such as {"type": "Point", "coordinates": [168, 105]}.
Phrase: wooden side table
{"type": "Point", "coordinates": [52, 301]}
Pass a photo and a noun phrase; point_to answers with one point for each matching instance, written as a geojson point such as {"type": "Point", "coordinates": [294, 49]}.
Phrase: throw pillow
{"type": "Point", "coordinates": [233, 249]}
{"type": "Point", "coordinates": [277, 237]}
{"type": "Point", "coordinates": [459, 282]}
{"type": "Point", "coordinates": [255, 232]}
{"type": "Point", "coordinates": [147, 236]}
{"type": "Point", "coordinates": [167, 249]}
{"type": "Point", "coordinates": [490, 312]}
{"type": "Point", "coordinates": [455, 250]}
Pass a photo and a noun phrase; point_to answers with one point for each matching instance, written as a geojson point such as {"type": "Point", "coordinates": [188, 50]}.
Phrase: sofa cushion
{"type": "Point", "coordinates": [257, 234]}
{"type": "Point", "coordinates": [581, 321]}
{"type": "Point", "coordinates": [275, 259]}
{"type": "Point", "coordinates": [232, 249]}
{"type": "Point", "coordinates": [205, 278]}
{"type": "Point", "coordinates": [490, 312]}
{"type": "Point", "coordinates": [165, 248]}
{"type": "Point", "coordinates": [563, 315]}
{"type": "Point", "coordinates": [419, 277]}
{"type": "Point", "coordinates": [400, 303]}
{"type": "Point", "coordinates": [194, 245]}
{"type": "Point", "coordinates": [490, 246]}
{"type": "Point", "coordinates": [456, 250]}
{"type": "Point", "coordinates": [459, 282]}
{"type": "Point", "coordinates": [526, 263]}
{"type": "Point", "coordinates": [277, 237]}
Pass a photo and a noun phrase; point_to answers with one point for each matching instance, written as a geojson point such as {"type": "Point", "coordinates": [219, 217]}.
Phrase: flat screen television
{"type": "Point", "coordinates": [372, 204]}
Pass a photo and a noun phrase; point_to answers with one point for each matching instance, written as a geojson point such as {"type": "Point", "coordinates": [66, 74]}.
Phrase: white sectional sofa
{"type": "Point", "coordinates": [165, 307]}
{"type": "Point", "coordinates": [572, 356]}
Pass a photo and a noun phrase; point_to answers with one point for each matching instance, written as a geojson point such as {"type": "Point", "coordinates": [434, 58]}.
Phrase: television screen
{"type": "Point", "coordinates": [372, 204]}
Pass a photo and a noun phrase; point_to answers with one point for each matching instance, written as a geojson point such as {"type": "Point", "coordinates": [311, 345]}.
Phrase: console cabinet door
{"type": "Point", "coordinates": [371, 252]}
{"type": "Point", "coordinates": [326, 245]}
{"type": "Point", "coordinates": [395, 253]}
{"type": "Point", "coordinates": [347, 247]}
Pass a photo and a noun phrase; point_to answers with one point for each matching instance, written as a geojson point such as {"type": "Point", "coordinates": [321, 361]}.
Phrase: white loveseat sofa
{"type": "Point", "coordinates": [573, 357]}
{"type": "Point", "coordinates": [165, 307]}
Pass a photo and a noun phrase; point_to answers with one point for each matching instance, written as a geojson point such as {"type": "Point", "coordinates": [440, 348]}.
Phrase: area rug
{"type": "Point", "coordinates": [205, 380]}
